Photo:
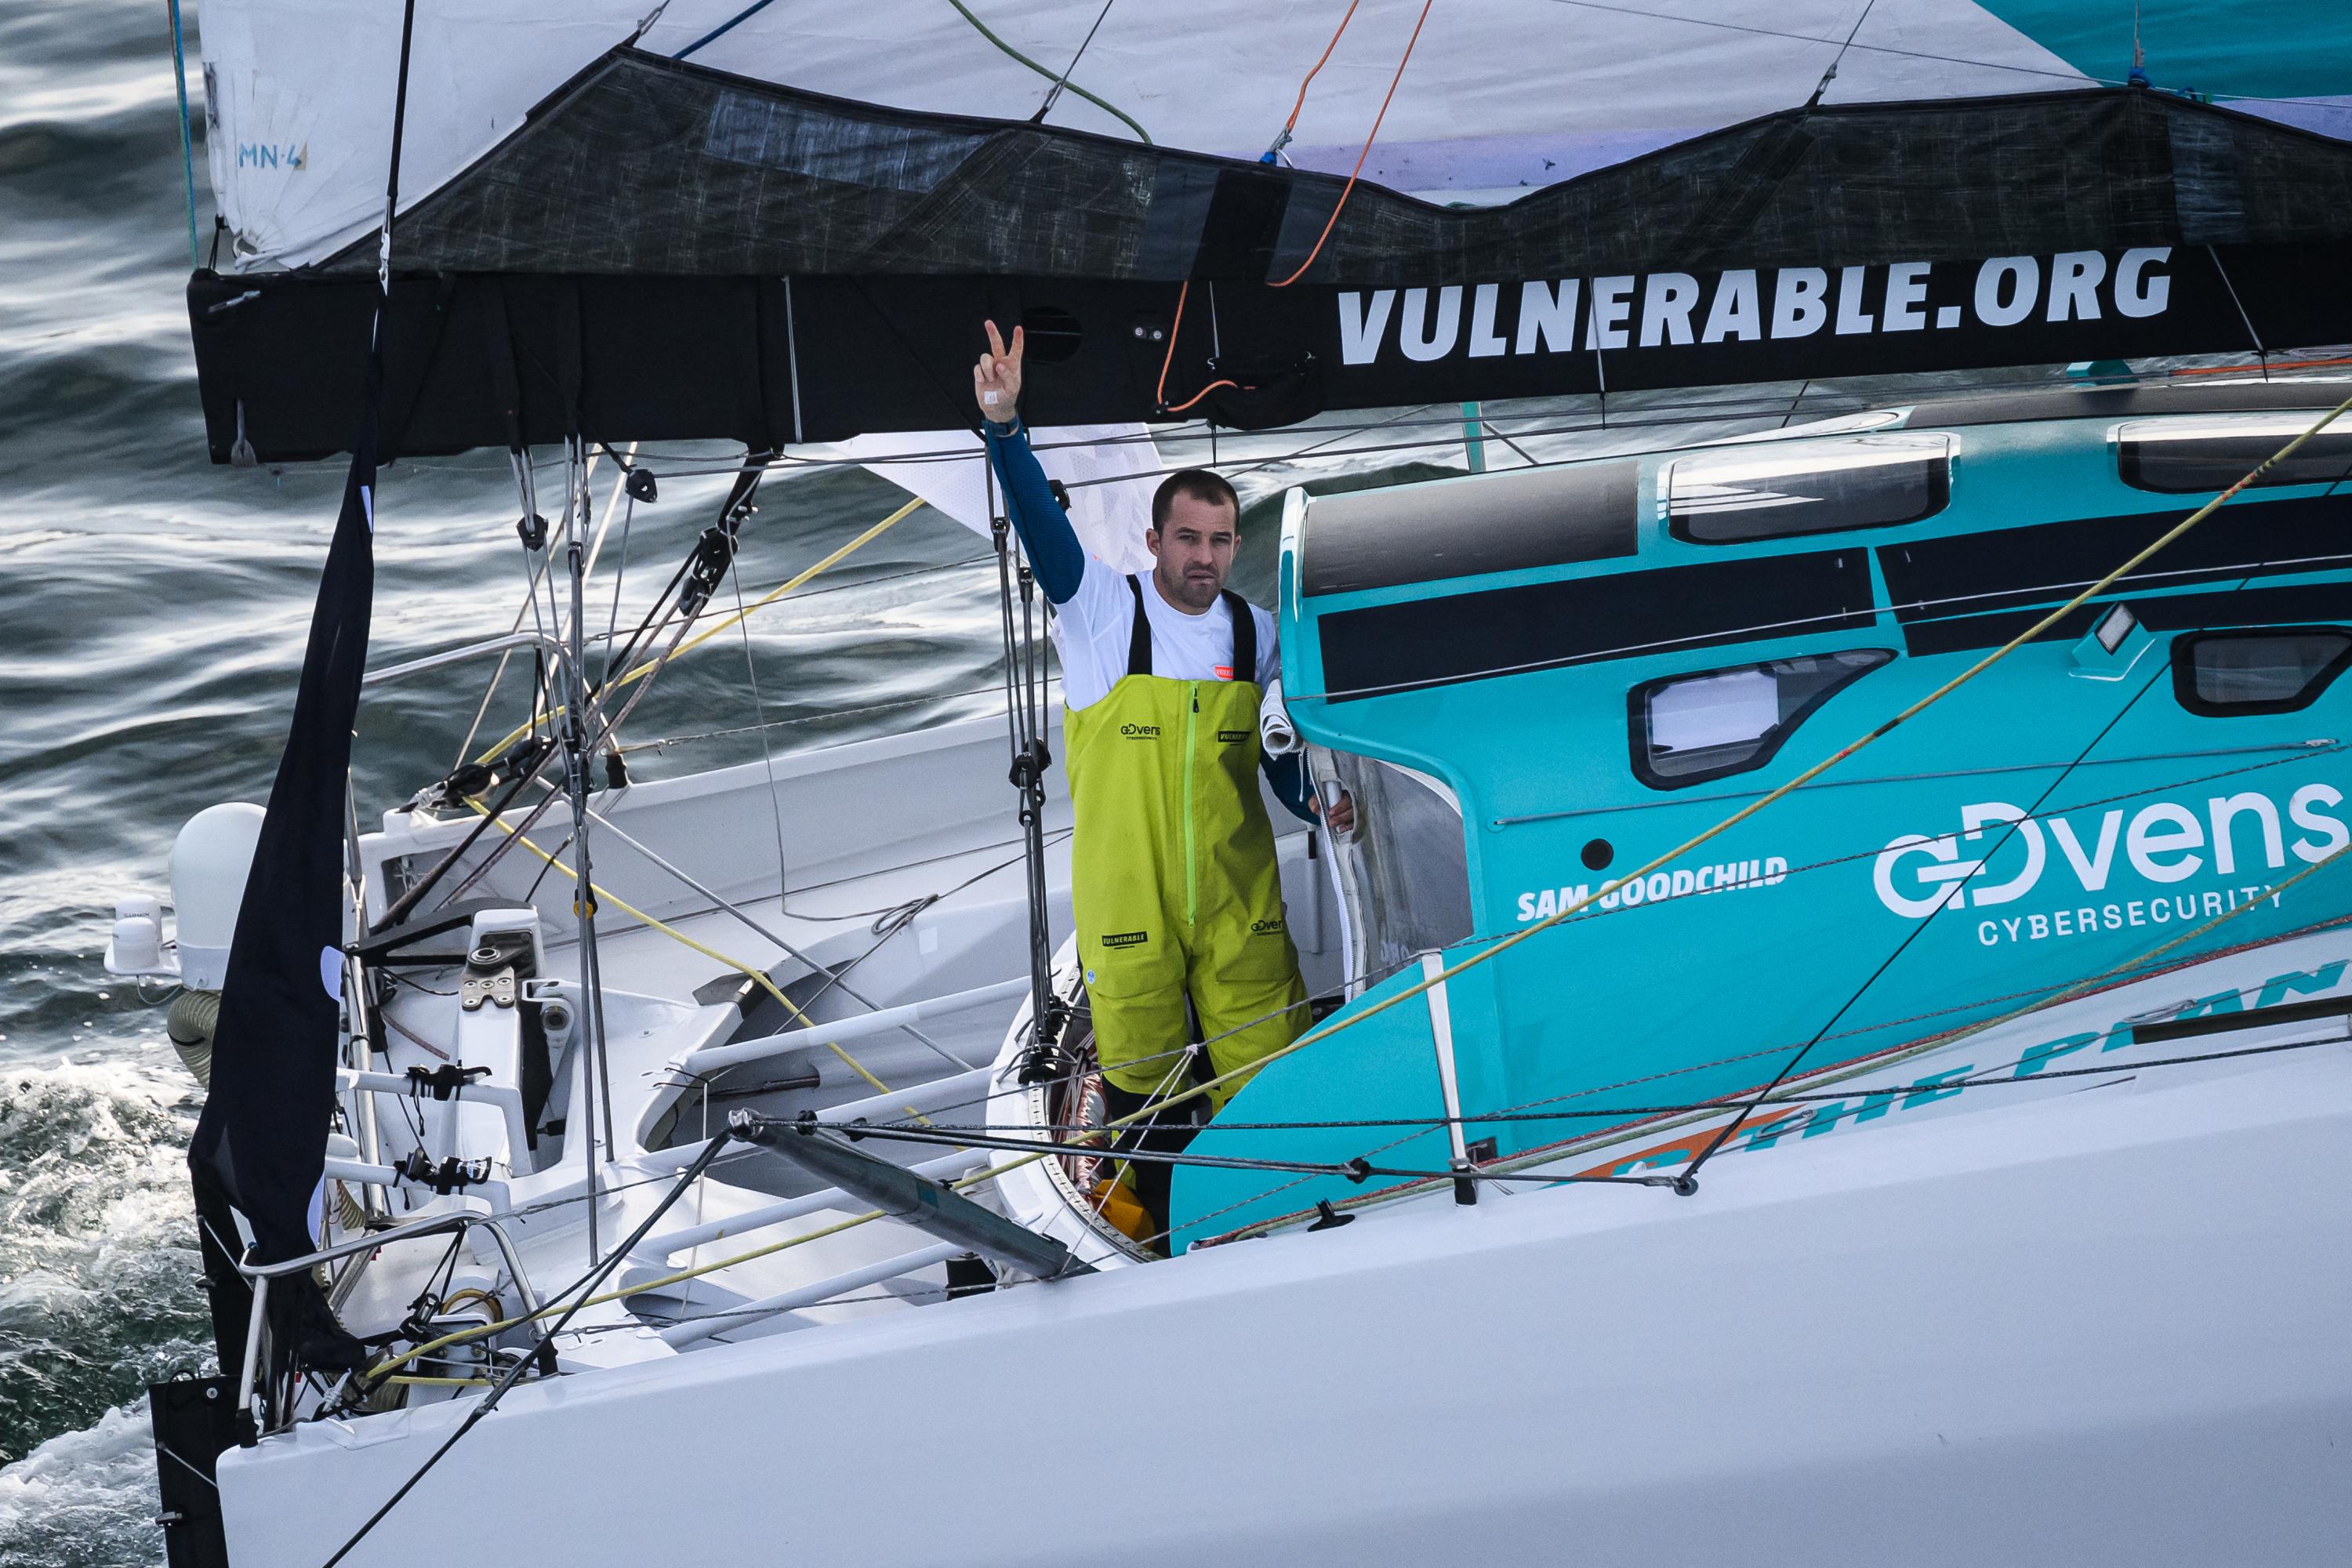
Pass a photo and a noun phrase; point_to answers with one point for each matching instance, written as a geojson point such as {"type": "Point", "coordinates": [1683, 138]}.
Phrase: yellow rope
{"type": "Point", "coordinates": [679, 1278]}
{"type": "Point", "coordinates": [1576, 1148]}
{"type": "Point", "coordinates": [599, 892]}
{"type": "Point", "coordinates": [1840, 754]}
{"type": "Point", "coordinates": [2029, 634]}
{"type": "Point", "coordinates": [797, 579]}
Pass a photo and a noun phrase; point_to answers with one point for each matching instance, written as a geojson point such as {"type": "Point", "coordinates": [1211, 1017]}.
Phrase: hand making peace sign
{"type": "Point", "coordinates": [996, 379]}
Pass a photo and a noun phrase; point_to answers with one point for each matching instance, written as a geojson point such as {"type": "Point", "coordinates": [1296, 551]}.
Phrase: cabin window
{"type": "Point", "coordinates": [1779, 490]}
{"type": "Point", "coordinates": [2191, 456]}
{"type": "Point", "coordinates": [1692, 727]}
{"type": "Point", "coordinates": [2274, 670]}
{"type": "Point", "coordinates": [1404, 869]}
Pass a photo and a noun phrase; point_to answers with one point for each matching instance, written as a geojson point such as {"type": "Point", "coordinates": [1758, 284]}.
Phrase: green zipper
{"type": "Point", "coordinates": [1192, 872]}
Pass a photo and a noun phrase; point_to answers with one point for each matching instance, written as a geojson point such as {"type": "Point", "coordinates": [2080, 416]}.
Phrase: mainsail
{"type": "Point", "coordinates": [657, 248]}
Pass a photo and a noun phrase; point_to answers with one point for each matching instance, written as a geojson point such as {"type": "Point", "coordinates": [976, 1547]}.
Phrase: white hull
{"type": "Point", "coordinates": [2095, 1327]}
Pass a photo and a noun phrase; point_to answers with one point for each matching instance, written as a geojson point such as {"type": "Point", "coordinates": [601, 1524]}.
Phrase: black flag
{"type": "Point", "coordinates": [261, 1142]}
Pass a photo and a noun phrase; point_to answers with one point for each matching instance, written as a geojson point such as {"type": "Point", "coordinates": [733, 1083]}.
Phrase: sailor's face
{"type": "Point", "coordinates": [1195, 548]}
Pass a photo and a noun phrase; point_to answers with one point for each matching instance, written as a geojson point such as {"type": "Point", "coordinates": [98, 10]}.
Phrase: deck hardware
{"type": "Point", "coordinates": [911, 1199]}
{"type": "Point", "coordinates": [497, 988]}
{"type": "Point", "coordinates": [1328, 1217]}
{"type": "Point", "coordinates": [450, 1175]}
{"type": "Point", "coordinates": [444, 1081]}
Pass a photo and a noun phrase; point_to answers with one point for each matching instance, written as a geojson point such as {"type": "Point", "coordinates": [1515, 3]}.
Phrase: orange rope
{"type": "Point", "coordinates": [1352, 175]}
{"type": "Point", "coordinates": [1292, 123]}
{"type": "Point", "coordinates": [1159, 392]}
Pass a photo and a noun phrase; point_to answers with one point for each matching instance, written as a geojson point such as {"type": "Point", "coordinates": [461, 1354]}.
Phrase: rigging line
{"type": "Point", "coordinates": [1308, 80]}
{"type": "Point", "coordinates": [392, 169]}
{"type": "Point", "coordinates": [610, 726]}
{"type": "Point", "coordinates": [2262, 353]}
{"type": "Point", "coordinates": [1063, 79]}
{"type": "Point", "coordinates": [187, 141]}
{"type": "Point", "coordinates": [1348, 189]}
{"type": "Point", "coordinates": [725, 27]}
{"type": "Point", "coordinates": [669, 742]}
{"type": "Point", "coordinates": [1357, 1169]}
{"type": "Point", "coordinates": [658, 661]}
{"type": "Point", "coordinates": [1829, 74]}
{"type": "Point", "coordinates": [760, 708]}
{"type": "Point", "coordinates": [613, 619]}
{"type": "Point", "coordinates": [1983, 1078]}
{"type": "Point", "coordinates": [2070, 76]}
{"type": "Point", "coordinates": [790, 951]}
{"type": "Point", "coordinates": [531, 605]}
{"type": "Point", "coordinates": [1160, 392]}
{"type": "Point", "coordinates": [2097, 981]}
{"type": "Point", "coordinates": [483, 1331]}
{"type": "Point", "coordinates": [514, 1373]}
{"type": "Point", "coordinates": [1331, 1028]}
{"type": "Point", "coordinates": [2162, 669]}
{"type": "Point", "coordinates": [1569, 1148]}
{"type": "Point", "coordinates": [1882, 1060]}
{"type": "Point", "coordinates": [602, 895]}
{"type": "Point", "coordinates": [1104, 105]}
{"type": "Point", "coordinates": [612, 504]}
{"type": "Point", "coordinates": [1526, 1167]}
{"type": "Point", "coordinates": [965, 1183]}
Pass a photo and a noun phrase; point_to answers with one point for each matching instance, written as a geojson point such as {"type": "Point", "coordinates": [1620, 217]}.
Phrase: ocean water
{"type": "Point", "coordinates": [152, 615]}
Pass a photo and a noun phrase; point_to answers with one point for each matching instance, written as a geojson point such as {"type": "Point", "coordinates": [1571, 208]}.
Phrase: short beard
{"type": "Point", "coordinates": [1181, 592]}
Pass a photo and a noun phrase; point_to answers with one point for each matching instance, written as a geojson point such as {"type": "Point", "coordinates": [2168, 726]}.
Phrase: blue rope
{"type": "Point", "coordinates": [187, 152]}
{"type": "Point", "coordinates": [728, 26]}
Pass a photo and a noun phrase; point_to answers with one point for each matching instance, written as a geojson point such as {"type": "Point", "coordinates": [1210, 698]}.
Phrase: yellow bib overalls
{"type": "Point", "coordinates": [1174, 881]}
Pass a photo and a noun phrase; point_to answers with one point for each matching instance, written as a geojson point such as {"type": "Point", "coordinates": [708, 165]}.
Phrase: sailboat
{"type": "Point", "coordinates": [1833, 1021]}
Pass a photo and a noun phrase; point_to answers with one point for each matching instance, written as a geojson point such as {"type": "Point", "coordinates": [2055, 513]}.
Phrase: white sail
{"type": "Point", "coordinates": [1498, 98]}
{"type": "Point", "coordinates": [1108, 470]}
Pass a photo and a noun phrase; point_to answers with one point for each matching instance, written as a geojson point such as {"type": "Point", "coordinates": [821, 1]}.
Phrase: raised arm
{"type": "Point", "coordinates": [1055, 553]}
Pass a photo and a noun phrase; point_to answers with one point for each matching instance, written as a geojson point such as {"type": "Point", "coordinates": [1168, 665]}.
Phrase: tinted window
{"type": "Point", "coordinates": [1625, 615]}
{"type": "Point", "coordinates": [1458, 528]}
{"type": "Point", "coordinates": [2275, 670]}
{"type": "Point", "coordinates": [1404, 869]}
{"type": "Point", "coordinates": [1692, 727]}
{"type": "Point", "coordinates": [2188, 457]}
{"type": "Point", "coordinates": [1775, 489]}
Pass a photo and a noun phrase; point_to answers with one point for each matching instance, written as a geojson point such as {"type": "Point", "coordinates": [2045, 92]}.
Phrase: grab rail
{"type": "Point", "coordinates": [948, 1168]}
{"type": "Point", "coordinates": [712, 1057]}
{"type": "Point", "coordinates": [677, 1336]}
{"type": "Point", "coordinates": [539, 641]}
{"type": "Point", "coordinates": [260, 1274]}
{"type": "Point", "coordinates": [507, 1097]}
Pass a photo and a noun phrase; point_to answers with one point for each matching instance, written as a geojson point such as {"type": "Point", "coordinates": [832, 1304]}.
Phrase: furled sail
{"type": "Point", "coordinates": [1500, 98]}
{"type": "Point", "coordinates": [808, 265]}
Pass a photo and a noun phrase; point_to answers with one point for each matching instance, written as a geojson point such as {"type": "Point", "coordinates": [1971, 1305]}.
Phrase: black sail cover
{"type": "Point", "coordinates": [259, 1144]}
{"type": "Point", "coordinates": [665, 251]}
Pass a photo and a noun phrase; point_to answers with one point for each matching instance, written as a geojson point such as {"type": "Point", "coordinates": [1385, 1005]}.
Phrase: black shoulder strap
{"type": "Point", "coordinates": [1245, 637]}
{"type": "Point", "coordinates": [1138, 640]}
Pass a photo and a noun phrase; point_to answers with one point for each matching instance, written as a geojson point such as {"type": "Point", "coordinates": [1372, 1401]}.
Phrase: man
{"type": "Point", "coordinates": [1173, 880]}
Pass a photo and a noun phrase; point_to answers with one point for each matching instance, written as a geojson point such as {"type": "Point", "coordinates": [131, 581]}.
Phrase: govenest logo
{"type": "Point", "coordinates": [2166, 843]}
